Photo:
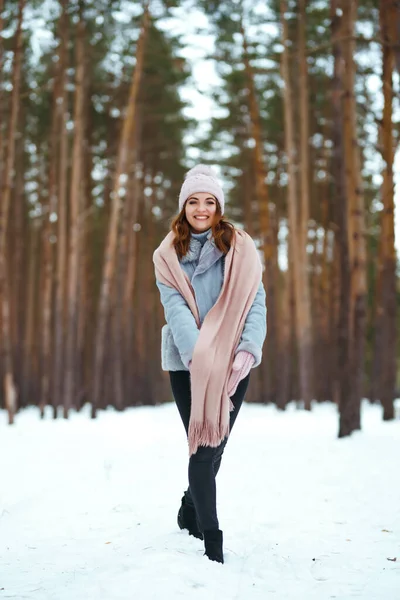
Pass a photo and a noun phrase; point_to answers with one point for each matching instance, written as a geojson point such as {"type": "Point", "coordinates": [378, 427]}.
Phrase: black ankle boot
{"type": "Point", "coordinates": [187, 519]}
{"type": "Point", "coordinates": [213, 545]}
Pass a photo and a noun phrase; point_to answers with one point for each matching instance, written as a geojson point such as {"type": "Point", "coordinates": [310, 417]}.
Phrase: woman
{"type": "Point", "coordinates": [209, 277]}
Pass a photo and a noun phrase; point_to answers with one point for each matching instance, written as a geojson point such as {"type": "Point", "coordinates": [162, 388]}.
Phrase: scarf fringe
{"type": "Point", "coordinates": [205, 434]}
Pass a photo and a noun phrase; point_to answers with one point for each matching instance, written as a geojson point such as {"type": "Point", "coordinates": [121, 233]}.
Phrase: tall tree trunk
{"type": "Point", "coordinates": [285, 341]}
{"type": "Point", "coordinates": [48, 249]}
{"type": "Point", "coordinates": [71, 383]}
{"type": "Point", "coordinates": [357, 243]}
{"type": "Point", "coordinates": [86, 316]}
{"type": "Point", "coordinates": [304, 155]}
{"type": "Point", "coordinates": [151, 306]}
{"type": "Point", "coordinates": [386, 301]}
{"type": "Point", "coordinates": [112, 238]}
{"type": "Point", "coordinates": [136, 189]}
{"type": "Point", "coordinates": [10, 391]}
{"type": "Point", "coordinates": [326, 290]}
{"type": "Point", "coordinates": [297, 237]}
{"type": "Point", "coordinates": [61, 266]}
{"type": "Point", "coordinates": [28, 375]}
{"type": "Point", "coordinates": [18, 264]}
{"type": "Point", "coordinates": [124, 284]}
{"type": "Point", "coordinates": [376, 363]}
{"type": "Point", "coordinates": [341, 217]}
{"type": "Point", "coordinates": [46, 310]}
{"type": "Point", "coordinates": [144, 304]}
{"type": "Point", "coordinates": [265, 225]}
{"type": "Point", "coordinates": [306, 367]}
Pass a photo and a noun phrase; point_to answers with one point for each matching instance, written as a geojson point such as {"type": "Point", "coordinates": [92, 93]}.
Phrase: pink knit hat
{"type": "Point", "coordinates": [201, 179]}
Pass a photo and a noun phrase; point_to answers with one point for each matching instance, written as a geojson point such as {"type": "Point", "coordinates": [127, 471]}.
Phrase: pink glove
{"type": "Point", "coordinates": [240, 369]}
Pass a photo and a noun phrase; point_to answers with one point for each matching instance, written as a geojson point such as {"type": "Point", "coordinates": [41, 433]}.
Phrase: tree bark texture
{"type": "Point", "coordinates": [10, 390]}
{"type": "Point", "coordinates": [119, 191]}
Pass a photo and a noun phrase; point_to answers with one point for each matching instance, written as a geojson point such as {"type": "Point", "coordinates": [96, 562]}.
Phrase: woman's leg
{"type": "Point", "coordinates": [203, 467]}
{"type": "Point", "coordinates": [181, 390]}
{"type": "Point", "coordinates": [180, 385]}
{"type": "Point", "coordinates": [237, 400]}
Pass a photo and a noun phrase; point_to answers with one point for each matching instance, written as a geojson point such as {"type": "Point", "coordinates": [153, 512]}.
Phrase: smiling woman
{"type": "Point", "coordinates": [209, 277]}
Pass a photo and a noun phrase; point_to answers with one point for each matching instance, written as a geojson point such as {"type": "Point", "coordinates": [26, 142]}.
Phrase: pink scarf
{"type": "Point", "coordinates": [219, 334]}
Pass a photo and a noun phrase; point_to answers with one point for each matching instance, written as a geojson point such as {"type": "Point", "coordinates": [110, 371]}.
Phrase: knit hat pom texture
{"type": "Point", "coordinates": [201, 170]}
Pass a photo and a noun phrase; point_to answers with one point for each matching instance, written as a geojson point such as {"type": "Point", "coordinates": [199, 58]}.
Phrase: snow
{"type": "Point", "coordinates": [88, 508]}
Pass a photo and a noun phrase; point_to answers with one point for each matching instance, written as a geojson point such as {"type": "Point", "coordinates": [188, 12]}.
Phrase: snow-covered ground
{"type": "Point", "coordinates": [88, 508]}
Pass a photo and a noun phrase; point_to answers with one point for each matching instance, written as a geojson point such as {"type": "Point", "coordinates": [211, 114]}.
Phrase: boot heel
{"type": "Point", "coordinates": [213, 545]}
{"type": "Point", "coordinates": [187, 519]}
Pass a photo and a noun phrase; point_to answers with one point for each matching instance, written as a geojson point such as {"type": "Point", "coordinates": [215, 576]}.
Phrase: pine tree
{"type": "Point", "coordinates": [10, 390]}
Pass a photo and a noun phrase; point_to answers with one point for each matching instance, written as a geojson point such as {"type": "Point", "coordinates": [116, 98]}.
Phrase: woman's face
{"type": "Point", "coordinates": [200, 209]}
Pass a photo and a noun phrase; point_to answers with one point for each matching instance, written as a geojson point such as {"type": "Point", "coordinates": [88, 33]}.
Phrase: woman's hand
{"type": "Point", "coordinates": [240, 369]}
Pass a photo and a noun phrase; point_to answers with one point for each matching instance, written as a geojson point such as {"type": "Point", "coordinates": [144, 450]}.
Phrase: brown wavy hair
{"type": "Point", "coordinates": [222, 232]}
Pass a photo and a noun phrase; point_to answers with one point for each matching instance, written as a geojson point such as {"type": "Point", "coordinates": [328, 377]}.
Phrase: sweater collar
{"type": "Point", "coordinates": [197, 241]}
{"type": "Point", "coordinates": [201, 237]}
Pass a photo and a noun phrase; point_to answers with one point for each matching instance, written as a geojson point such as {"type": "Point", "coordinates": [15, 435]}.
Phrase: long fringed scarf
{"type": "Point", "coordinates": [219, 336]}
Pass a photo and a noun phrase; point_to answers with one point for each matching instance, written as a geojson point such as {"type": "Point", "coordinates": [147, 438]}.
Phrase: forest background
{"type": "Point", "coordinates": [105, 105]}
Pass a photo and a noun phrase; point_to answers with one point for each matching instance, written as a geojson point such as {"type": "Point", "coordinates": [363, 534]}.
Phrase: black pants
{"type": "Point", "coordinates": [205, 463]}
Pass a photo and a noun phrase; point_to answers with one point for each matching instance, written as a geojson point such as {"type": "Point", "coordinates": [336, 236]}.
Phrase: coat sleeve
{"type": "Point", "coordinates": [255, 327]}
{"type": "Point", "coordinates": [180, 320]}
